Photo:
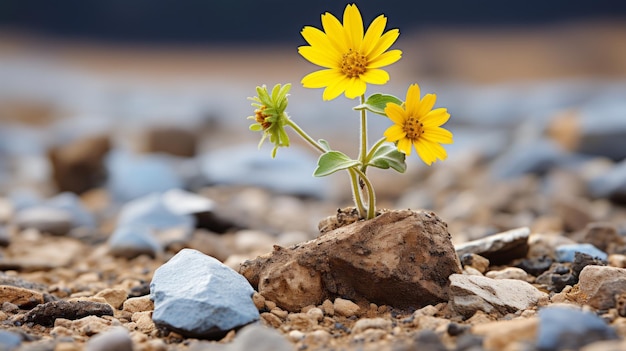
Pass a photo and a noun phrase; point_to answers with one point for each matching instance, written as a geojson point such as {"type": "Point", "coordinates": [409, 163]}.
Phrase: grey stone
{"type": "Point", "coordinates": [251, 337]}
{"type": "Point", "coordinates": [132, 241]}
{"type": "Point", "coordinates": [567, 328]}
{"type": "Point", "coordinates": [198, 296]}
{"type": "Point", "coordinates": [132, 176]}
{"type": "Point", "coordinates": [289, 173]}
{"type": "Point", "coordinates": [116, 338]}
{"type": "Point", "coordinates": [567, 253]}
{"type": "Point", "coordinates": [9, 341]}
{"type": "Point", "coordinates": [470, 293]}
{"type": "Point", "coordinates": [45, 219]}
{"type": "Point", "coordinates": [498, 248]}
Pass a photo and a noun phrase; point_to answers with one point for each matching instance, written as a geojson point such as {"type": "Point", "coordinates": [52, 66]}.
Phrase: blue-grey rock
{"type": "Point", "coordinates": [116, 338]}
{"type": "Point", "coordinates": [70, 202]}
{"type": "Point", "coordinates": [611, 184]}
{"type": "Point", "coordinates": [602, 128]}
{"type": "Point", "coordinates": [567, 253]}
{"type": "Point", "coordinates": [536, 157]}
{"type": "Point", "coordinates": [46, 219]}
{"type": "Point", "coordinates": [132, 176]}
{"type": "Point", "coordinates": [9, 341]}
{"type": "Point", "coordinates": [291, 172]}
{"type": "Point", "coordinates": [151, 211]}
{"type": "Point", "coordinates": [567, 328]}
{"type": "Point", "coordinates": [251, 337]}
{"type": "Point", "coordinates": [133, 241]}
{"type": "Point", "coordinates": [198, 296]}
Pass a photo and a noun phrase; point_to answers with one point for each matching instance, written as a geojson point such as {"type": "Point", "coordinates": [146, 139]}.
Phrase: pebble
{"type": "Point", "coordinates": [345, 307]}
{"type": "Point", "coordinates": [45, 219]}
{"type": "Point", "coordinates": [46, 314]}
{"type": "Point", "coordinates": [371, 323]}
{"type": "Point", "coordinates": [469, 293]}
{"type": "Point", "coordinates": [131, 176]}
{"type": "Point", "coordinates": [498, 248]}
{"type": "Point", "coordinates": [598, 286]}
{"type": "Point", "coordinates": [116, 338]}
{"type": "Point", "coordinates": [568, 328]}
{"type": "Point", "coordinates": [510, 273]}
{"type": "Point", "coordinates": [9, 340]}
{"type": "Point", "coordinates": [132, 241]}
{"type": "Point", "coordinates": [566, 253]}
{"type": "Point", "coordinates": [198, 296]}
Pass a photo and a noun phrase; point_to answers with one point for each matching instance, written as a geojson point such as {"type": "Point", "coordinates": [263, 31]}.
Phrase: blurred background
{"type": "Point", "coordinates": [147, 95]}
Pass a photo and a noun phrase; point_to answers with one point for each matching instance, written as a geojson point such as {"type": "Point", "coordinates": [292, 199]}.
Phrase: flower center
{"type": "Point", "coordinates": [260, 117]}
{"type": "Point", "coordinates": [353, 64]}
{"type": "Point", "coordinates": [413, 128]}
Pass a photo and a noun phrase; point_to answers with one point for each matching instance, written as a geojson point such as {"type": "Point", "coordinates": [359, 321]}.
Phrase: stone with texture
{"type": "Point", "coordinates": [401, 258]}
{"type": "Point", "coordinates": [45, 314]}
{"type": "Point", "coordinates": [598, 286]}
{"type": "Point", "coordinates": [198, 296]}
{"type": "Point", "coordinates": [498, 248]}
{"type": "Point", "coordinates": [470, 293]}
{"type": "Point", "coordinates": [568, 328]}
{"type": "Point", "coordinates": [22, 297]}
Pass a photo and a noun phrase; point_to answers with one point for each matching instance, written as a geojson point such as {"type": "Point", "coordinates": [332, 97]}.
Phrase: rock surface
{"type": "Point", "coordinates": [400, 258]}
{"type": "Point", "coordinates": [198, 296]}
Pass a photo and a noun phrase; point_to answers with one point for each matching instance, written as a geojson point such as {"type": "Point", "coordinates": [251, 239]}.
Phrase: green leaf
{"type": "Point", "coordinates": [377, 102]}
{"type": "Point", "coordinates": [324, 144]}
{"type": "Point", "coordinates": [332, 162]}
{"type": "Point", "coordinates": [388, 156]}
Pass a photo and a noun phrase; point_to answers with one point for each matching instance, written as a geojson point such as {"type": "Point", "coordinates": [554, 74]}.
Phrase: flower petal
{"type": "Point", "coordinates": [394, 133]}
{"type": "Point", "coordinates": [356, 87]}
{"type": "Point", "coordinates": [395, 113]}
{"type": "Point", "coordinates": [437, 135]}
{"type": "Point", "coordinates": [375, 76]}
{"type": "Point", "coordinates": [335, 88]}
{"type": "Point", "coordinates": [373, 33]}
{"type": "Point", "coordinates": [353, 26]}
{"type": "Point", "coordinates": [424, 152]}
{"type": "Point", "coordinates": [335, 32]}
{"type": "Point", "coordinates": [436, 117]}
{"type": "Point", "coordinates": [385, 59]}
{"type": "Point", "coordinates": [323, 58]}
{"type": "Point", "coordinates": [404, 146]}
{"type": "Point", "coordinates": [384, 43]}
{"type": "Point", "coordinates": [321, 78]}
{"type": "Point", "coordinates": [427, 103]}
{"type": "Point", "coordinates": [412, 100]}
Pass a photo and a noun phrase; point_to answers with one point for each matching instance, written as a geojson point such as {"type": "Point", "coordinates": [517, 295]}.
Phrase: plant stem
{"type": "Point", "coordinates": [305, 136]}
{"type": "Point", "coordinates": [371, 197]}
{"type": "Point", "coordinates": [356, 192]}
{"type": "Point", "coordinates": [354, 178]}
{"type": "Point", "coordinates": [371, 153]}
{"type": "Point", "coordinates": [363, 147]}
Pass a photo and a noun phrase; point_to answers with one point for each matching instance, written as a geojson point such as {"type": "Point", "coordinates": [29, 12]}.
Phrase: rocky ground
{"type": "Point", "coordinates": [140, 236]}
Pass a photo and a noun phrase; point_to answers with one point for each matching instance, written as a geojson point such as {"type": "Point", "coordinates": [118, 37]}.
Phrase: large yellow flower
{"type": "Point", "coordinates": [351, 59]}
{"type": "Point", "coordinates": [419, 125]}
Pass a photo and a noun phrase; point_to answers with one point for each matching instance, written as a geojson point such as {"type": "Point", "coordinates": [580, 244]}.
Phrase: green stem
{"type": "Point", "coordinates": [305, 136]}
{"type": "Point", "coordinates": [371, 197]}
{"type": "Point", "coordinates": [354, 179]}
{"type": "Point", "coordinates": [363, 148]}
{"type": "Point", "coordinates": [356, 192]}
{"type": "Point", "coordinates": [370, 154]}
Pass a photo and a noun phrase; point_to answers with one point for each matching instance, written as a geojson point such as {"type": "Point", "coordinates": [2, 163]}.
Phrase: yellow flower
{"type": "Point", "coordinates": [351, 59]}
{"type": "Point", "coordinates": [419, 125]}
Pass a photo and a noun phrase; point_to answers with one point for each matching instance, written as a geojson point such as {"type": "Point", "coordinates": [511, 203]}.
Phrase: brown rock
{"type": "Point", "coordinates": [22, 297]}
{"type": "Point", "coordinates": [400, 258]}
{"type": "Point", "coordinates": [598, 286]}
{"type": "Point", "coordinates": [114, 297]}
{"type": "Point", "coordinates": [138, 304]}
{"type": "Point", "coordinates": [47, 313]}
{"type": "Point", "coordinates": [171, 140]}
{"type": "Point", "coordinates": [602, 235]}
{"type": "Point", "coordinates": [79, 166]}
{"type": "Point", "coordinates": [345, 307]}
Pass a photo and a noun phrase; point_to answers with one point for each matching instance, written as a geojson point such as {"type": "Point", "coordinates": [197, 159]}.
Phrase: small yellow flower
{"type": "Point", "coordinates": [352, 60]}
{"type": "Point", "coordinates": [418, 124]}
